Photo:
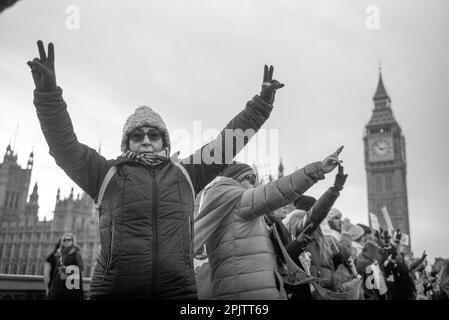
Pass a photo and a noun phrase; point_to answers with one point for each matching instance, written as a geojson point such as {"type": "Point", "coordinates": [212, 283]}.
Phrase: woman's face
{"type": "Point", "coordinates": [145, 139]}
{"type": "Point", "coordinates": [335, 222]}
{"type": "Point", "coordinates": [67, 241]}
{"type": "Point", "coordinates": [249, 181]}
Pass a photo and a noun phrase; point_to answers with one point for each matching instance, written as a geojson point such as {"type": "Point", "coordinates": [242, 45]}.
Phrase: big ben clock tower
{"type": "Point", "coordinates": [385, 164]}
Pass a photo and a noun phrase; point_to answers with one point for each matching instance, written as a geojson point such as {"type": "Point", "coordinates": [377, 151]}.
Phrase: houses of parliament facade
{"type": "Point", "coordinates": [25, 242]}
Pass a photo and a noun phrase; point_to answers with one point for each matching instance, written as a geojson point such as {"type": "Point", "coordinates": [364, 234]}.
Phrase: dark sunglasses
{"type": "Point", "coordinates": [251, 178]}
{"type": "Point", "coordinates": [67, 239]}
{"type": "Point", "coordinates": [138, 135]}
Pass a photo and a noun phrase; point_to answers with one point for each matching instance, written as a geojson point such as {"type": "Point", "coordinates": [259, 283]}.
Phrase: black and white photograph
{"type": "Point", "coordinates": [243, 151]}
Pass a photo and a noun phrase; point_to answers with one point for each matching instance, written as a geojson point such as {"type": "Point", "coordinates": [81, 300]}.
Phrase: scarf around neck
{"type": "Point", "coordinates": [146, 158]}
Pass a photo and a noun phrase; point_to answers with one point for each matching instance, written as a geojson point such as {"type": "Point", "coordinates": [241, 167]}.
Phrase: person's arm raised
{"type": "Point", "coordinates": [266, 198]}
{"type": "Point", "coordinates": [82, 164]}
{"type": "Point", "coordinates": [207, 162]}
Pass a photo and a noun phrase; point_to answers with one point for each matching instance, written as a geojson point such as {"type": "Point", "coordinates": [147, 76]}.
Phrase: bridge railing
{"type": "Point", "coordinates": [26, 287]}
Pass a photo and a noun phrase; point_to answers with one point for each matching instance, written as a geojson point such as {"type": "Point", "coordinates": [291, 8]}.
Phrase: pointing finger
{"type": "Point", "coordinates": [338, 151]}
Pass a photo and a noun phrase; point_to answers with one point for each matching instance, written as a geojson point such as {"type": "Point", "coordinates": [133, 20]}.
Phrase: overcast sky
{"type": "Point", "coordinates": [202, 60]}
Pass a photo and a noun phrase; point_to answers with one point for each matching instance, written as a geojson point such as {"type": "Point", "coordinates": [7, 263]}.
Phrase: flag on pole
{"type": "Point", "coordinates": [374, 222]}
{"type": "Point", "coordinates": [387, 220]}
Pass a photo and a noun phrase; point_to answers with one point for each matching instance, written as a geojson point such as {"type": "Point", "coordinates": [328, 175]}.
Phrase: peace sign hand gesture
{"type": "Point", "coordinates": [43, 69]}
{"type": "Point", "coordinates": [269, 86]}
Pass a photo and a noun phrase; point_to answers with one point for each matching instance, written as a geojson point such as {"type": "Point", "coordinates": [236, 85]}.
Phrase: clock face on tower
{"type": "Point", "coordinates": [381, 149]}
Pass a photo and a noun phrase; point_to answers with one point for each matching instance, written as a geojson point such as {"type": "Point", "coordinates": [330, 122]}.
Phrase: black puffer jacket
{"type": "Point", "coordinates": [145, 218]}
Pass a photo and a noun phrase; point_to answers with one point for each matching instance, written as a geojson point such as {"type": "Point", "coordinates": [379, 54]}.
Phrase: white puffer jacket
{"type": "Point", "coordinates": [241, 256]}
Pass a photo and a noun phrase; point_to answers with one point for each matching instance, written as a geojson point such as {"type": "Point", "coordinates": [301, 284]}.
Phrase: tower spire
{"type": "Point", "coordinates": [381, 92]}
{"type": "Point", "coordinates": [30, 160]}
{"type": "Point", "coordinates": [34, 196]}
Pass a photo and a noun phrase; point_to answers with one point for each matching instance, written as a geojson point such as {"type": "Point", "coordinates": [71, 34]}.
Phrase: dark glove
{"type": "Point", "coordinates": [424, 255]}
{"type": "Point", "coordinates": [43, 69]}
{"type": "Point", "coordinates": [304, 240]}
{"type": "Point", "coordinates": [269, 86]}
{"type": "Point", "coordinates": [340, 178]}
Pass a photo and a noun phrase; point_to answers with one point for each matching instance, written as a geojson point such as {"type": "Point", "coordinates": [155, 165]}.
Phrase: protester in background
{"type": "Point", "coordinates": [369, 265]}
{"type": "Point", "coordinates": [50, 268]}
{"type": "Point", "coordinates": [231, 222]}
{"type": "Point", "coordinates": [367, 235]}
{"type": "Point", "coordinates": [145, 218]}
{"type": "Point", "coordinates": [404, 285]}
{"type": "Point", "coordinates": [68, 280]}
{"type": "Point", "coordinates": [331, 251]}
{"type": "Point", "coordinates": [305, 221]}
{"type": "Point", "coordinates": [442, 282]}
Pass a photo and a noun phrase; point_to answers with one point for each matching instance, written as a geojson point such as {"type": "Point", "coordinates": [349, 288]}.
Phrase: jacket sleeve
{"type": "Point", "coordinates": [263, 199]}
{"type": "Point", "coordinates": [318, 212]}
{"type": "Point", "coordinates": [416, 264]}
{"type": "Point", "coordinates": [82, 164]}
{"type": "Point", "coordinates": [207, 162]}
{"type": "Point", "coordinates": [294, 250]}
{"type": "Point", "coordinates": [79, 261]}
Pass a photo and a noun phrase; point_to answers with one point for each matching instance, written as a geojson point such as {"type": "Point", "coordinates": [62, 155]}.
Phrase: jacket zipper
{"type": "Point", "coordinates": [154, 228]}
{"type": "Point", "coordinates": [111, 245]}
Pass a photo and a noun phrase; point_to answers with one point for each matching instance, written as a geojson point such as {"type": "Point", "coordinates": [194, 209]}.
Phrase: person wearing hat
{"type": "Point", "coordinates": [329, 254]}
{"type": "Point", "coordinates": [231, 223]}
{"type": "Point", "coordinates": [145, 197]}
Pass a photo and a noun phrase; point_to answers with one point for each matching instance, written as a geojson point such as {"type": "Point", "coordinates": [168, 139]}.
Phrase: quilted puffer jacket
{"type": "Point", "coordinates": [240, 252]}
{"type": "Point", "coordinates": [146, 213]}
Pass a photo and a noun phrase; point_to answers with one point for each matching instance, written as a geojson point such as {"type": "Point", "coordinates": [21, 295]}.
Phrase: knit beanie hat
{"type": "Point", "coordinates": [144, 116]}
{"type": "Point", "coordinates": [304, 203]}
{"type": "Point", "coordinates": [334, 212]}
{"type": "Point", "coordinates": [237, 171]}
{"type": "Point", "coordinates": [355, 231]}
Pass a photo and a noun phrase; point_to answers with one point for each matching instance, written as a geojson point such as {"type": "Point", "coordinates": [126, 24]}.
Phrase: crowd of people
{"type": "Point", "coordinates": [149, 235]}
{"type": "Point", "coordinates": [313, 253]}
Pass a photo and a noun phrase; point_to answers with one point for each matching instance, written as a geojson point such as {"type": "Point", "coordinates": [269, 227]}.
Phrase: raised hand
{"type": "Point", "coordinates": [305, 239]}
{"type": "Point", "coordinates": [331, 162]}
{"type": "Point", "coordinates": [340, 178]}
{"type": "Point", "coordinates": [269, 86]}
{"type": "Point", "coordinates": [43, 68]}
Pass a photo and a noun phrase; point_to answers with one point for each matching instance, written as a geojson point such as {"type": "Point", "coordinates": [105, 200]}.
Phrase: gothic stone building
{"type": "Point", "coordinates": [25, 242]}
{"type": "Point", "coordinates": [386, 165]}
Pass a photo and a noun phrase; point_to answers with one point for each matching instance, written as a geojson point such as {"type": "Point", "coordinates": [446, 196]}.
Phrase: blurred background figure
{"type": "Point", "coordinates": [67, 283]}
{"type": "Point", "coordinates": [50, 267]}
